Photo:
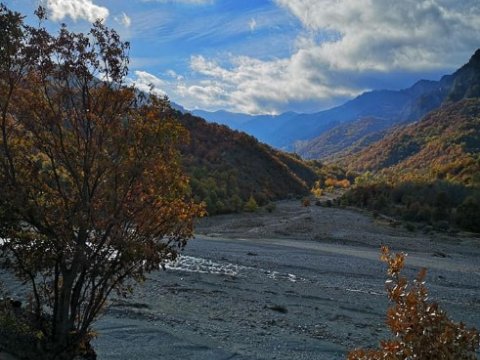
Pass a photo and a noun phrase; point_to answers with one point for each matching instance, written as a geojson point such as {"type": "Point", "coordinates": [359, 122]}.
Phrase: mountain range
{"type": "Point", "coordinates": [357, 123]}
{"type": "Point", "coordinates": [429, 131]}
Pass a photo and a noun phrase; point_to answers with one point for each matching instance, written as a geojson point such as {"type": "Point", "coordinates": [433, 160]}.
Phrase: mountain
{"type": "Point", "coordinates": [285, 130]}
{"type": "Point", "coordinates": [427, 172]}
{"type": "Point", "coordinates": [315, 135]}
{"type": "Point", "coordinates": [466, 80]}
{"type": "Point", "coordinates": [445, 144]}
{"type": "Point", "coordinates": [265, 128]}
{"type": "Point", "coordinates": [418, 100]}
{"type": "Point", "coordinates": [227, 167]}
{"type": "Point", "coordinates": [344, 138]}
{"type": "Point", "coordinates": [222, 117]}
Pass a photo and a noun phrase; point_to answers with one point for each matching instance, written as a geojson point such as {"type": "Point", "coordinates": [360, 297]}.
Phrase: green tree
{"type": "Point", "coordinates": [468, 214]}
{"type": "Point", "coordinates": [251, 205]}
{"type": "Point", "coordinates": [93, 194]}
{"type": "Point", "coordinates": [236, 203]}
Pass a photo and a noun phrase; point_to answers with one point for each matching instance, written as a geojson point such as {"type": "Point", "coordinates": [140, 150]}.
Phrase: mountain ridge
{"type": "Point", "coordinates": [445, 144]}
{"type": "Point", "coordinates": [227, 167]}
{"type": "Point", "coordinates": [293, 131]}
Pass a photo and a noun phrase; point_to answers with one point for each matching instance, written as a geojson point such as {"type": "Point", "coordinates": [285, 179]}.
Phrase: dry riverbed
{"type": "Point", "coordinates": [297, 283]}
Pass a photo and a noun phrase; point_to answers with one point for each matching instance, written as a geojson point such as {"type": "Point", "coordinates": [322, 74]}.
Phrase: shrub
{"type": "Point", "coordinates": [410, 227]}
{"type": "Point", "coordinates": [270, 207]}
{"type": "Point", "coordinates": [421, 329]}
{"type": "Point", "coordinates": [306, 202]}
{"type": "Point", "coordinates": [468, 214]}
{"type": "Point", "coordinates": [251, 205]}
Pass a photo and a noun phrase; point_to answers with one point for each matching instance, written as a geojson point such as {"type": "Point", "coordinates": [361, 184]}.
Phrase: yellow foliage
{"type": "Point", "coordinates": [421, 329]}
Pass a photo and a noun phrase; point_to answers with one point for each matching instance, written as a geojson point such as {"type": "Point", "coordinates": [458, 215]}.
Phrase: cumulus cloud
{"type": "Point", "coordinates": [194, 2]}
{"type": "Point", "coordinates": [147, 83]}
{"type": "Point", "coordinates": [123, 19]}
{"type": "Point", "coordinates": [75, 9]}
{"type": "Point", "coordinates": [385, 35]}
{"type": "Point", "coordinates": [255, 86]}
{"type": "Point", "coordinates": [342, 43]}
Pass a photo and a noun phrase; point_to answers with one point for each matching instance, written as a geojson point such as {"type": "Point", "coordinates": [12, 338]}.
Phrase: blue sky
{"type": "Point", "coordinates": [272, 56]}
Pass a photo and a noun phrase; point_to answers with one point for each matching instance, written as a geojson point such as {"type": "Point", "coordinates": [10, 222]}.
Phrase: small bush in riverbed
{"type": "Point", "coordinates": [306, 202]}
{"type": "Point", "coordinates": [251, 205]}
{"type": "Point", "coordinates": [421, 329]}
{"type": "Point", "coordinates": [270, 207]}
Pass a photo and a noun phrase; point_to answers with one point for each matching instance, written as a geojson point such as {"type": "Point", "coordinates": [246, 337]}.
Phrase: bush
{"type": "Point", "coordinates": [251, 205]}
{"type": "Point", "coordinates": [306, 202]}
{"type": "Point", "coordinates": [468, 214]}
{"type": "Point", "coordinates": [421, 329]}
{"type": "Point", "coordinates": [410, 227]}
{"type": "Point", "coordinates": [270, 207]}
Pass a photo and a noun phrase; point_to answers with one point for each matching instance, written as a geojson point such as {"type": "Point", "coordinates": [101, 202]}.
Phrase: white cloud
{"type": "Point", "coordinates": [256, 86]}
{"type": "Point", "coordinates": [194, 2]}
{"type": "Point", "coordinates": [147, 83]}
{"type": "Point", "coordinates": [386, 35]}
{"type": "Point", "coordinates": [75, 9]}
{"type": "Point", "coordinates": [252, 24]}
{"type": "Point", "coordinates": [343, 43]}
{"type": "Point", "coordinates": [124, 20]}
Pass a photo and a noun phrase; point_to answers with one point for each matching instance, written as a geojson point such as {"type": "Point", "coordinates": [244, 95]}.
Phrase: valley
{"type": "Point", "coordinates": [239, 180]}
{"type": "Point", "coordinates": [297, 283]}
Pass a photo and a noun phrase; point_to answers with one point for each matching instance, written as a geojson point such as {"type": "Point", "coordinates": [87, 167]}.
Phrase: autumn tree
{"type": "Point", "coordinates": [93, 195]}
{"type": "Point", "coordinates": [422, 330]}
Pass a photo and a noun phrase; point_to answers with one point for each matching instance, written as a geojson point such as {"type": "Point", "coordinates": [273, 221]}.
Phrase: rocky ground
{"type": "Point", "coordinates": [297, 283]}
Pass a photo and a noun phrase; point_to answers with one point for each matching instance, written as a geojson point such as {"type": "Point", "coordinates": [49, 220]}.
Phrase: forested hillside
{"type": "Point", "coordinates": [228, 167]}
{"type": "Point", "coordinates": [398, 108]}
{"type": "Point", "coordinates": [444, 145]}
{"type": "Point", "coordinates": [428, 171]}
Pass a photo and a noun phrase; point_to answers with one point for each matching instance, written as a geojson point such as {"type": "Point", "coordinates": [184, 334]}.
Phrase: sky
{"type": "Point", "coordinates": [273, 56]}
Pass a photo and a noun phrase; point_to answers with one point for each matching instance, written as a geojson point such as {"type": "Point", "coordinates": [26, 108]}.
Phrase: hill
{"type": "Point", "coordinates": [227, 167]}
{"type": "Point", "coordinates": [428, 171]}
{"type": "Point", "coordinates": [349, 137]}
{"type": "Point", "coordinates": [443, 145]}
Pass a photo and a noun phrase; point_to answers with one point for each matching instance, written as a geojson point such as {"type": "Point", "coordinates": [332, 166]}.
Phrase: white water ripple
{"type": "Point", "coordinates": [205, 266]}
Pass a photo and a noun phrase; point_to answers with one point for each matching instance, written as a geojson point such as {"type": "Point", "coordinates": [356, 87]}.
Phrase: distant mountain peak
{"type": "Point", "coordinates": [466, 80]}
{"type": "Point", "coordinates": [475, 59]}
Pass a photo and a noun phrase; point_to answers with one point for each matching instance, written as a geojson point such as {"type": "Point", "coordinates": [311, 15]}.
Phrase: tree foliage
{"type": "Point", "coordinates": [93, 193]}
{"type": "Point", "coordinates": [433, 203]}
{"type": "Point", "coordinates": [226, 167]}
{"type": "Point", "coordinates": [251, 205]}
{"type": "Point", "coordinates": [422, 330]}
{"type": "Point", "coordinates": [444, 145]}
